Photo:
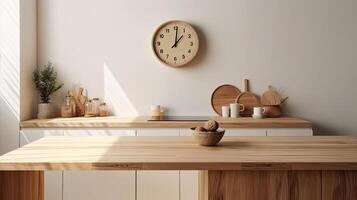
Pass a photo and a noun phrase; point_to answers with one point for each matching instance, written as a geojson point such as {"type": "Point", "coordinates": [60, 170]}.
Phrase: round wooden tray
{"type": "Point", "coordinates": [223, 96]}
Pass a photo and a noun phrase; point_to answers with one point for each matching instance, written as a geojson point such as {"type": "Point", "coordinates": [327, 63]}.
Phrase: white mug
{"type": "Point", "coordinates": [235, 109]}
{"type": "Point", "coordinates": [155, 110]}
{"type": "Point", "coordinates": [258, 112]}
{"type": "Point", "coordinates": [225, 111]}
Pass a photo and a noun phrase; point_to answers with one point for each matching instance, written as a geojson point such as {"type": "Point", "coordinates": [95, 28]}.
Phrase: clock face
{"type": "Point", "coordinates": [175, 43]}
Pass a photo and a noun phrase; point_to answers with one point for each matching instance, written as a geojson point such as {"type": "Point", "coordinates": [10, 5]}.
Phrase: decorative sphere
{"type": "Point", "coordinates": [211, 125]}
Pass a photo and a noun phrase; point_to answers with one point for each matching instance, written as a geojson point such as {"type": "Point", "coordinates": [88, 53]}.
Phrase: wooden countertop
{"type": "Point", "coordinates": [183, 153]}
{"type": "Point", "coordinates": [142, 122]}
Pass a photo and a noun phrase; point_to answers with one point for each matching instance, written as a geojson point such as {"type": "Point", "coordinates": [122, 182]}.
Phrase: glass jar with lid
{"type": "Point", "coordinates": [103, 110]}
{"type": "Point", "coordinates": [66, 108]}
{"type": "Point", "coordinates": [95, 104]}
{"type": "Point", "coordinates": [89, 111]}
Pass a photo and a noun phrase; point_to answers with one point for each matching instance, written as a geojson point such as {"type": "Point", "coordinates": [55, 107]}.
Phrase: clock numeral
{"type": "Point", "coordinates": [189, 51]}
{"type": "Point", "coordinates": [161, 51]}
{"type": "Point", "coordinates": [175, 58]}
{"type": "Point", "coordinates": [184, 30]}
{"type": "Point", "coordinates": [167, 30]}
{"type": "Point", "coordinates": [175, 27]}
{"type": "Point", "coordinates": [167, 56]}
{"type": "Point", "coordinates": [161, 35]}
{"type": "Point", "coordinates": [158, 43]}
{"type": "Point", "coordinates": [183, 56]}
{"type": "Point", "coordinates": [189, 35]}
{"type": "Point", "coordinates": [191, 43]}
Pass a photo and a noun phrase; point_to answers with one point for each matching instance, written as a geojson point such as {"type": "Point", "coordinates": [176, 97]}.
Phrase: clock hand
{"type": "Point", "coordinates": [175, 40]}
{"type": "Point", "coordinates": [175, 45]}
{"type": "Point", "coordinates": [178, 40]}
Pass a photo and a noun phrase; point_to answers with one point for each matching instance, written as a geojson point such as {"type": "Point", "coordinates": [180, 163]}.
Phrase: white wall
{"type": "Point", "coordinates": [17, 61]}
{"type": "Point", "coordinates": [9, 74]}
{"type": "Point", "coordinates": [307, 48]}
{"type": "Point", "coordinates": [28, 58]}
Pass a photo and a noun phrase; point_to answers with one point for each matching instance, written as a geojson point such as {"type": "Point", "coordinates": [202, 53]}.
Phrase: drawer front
{"type": "Point", "coordinates": [158, 132]}
{"type": "Point", "coordinates": [289, 132]}
{"type": "Point", "coordinates": [99, 132]}
{"type": "Point", "coordinates": [245, 132]}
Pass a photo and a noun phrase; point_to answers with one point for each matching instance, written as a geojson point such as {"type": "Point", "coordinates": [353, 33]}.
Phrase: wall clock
{"type": "Point", "coordinates": [175, 43]}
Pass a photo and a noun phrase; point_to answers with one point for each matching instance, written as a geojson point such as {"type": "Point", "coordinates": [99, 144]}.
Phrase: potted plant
{"type": "Point", "coordinates": [45, 83]}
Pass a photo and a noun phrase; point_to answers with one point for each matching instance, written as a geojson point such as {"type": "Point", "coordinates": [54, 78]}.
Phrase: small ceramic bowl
{"type": "Point", "coordinates": [208, 138]}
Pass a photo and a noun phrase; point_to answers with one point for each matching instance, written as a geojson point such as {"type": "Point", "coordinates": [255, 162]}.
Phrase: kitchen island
{"type": "Point", "coordinates": [238, 168]}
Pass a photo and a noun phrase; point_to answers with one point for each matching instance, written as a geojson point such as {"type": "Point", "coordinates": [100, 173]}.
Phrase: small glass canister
{"type": "Point", "coordinates": [66, 109]}
{"type": "Point", "coordinates": [89, 111]}
{"type": "Point", "coordinates": [96, 104]}
{"type": "Point", "coordinates": [103, 110]}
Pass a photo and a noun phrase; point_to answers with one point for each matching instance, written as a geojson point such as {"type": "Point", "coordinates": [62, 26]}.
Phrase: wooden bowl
{"type": "Point", "coordinates": [208, 138]}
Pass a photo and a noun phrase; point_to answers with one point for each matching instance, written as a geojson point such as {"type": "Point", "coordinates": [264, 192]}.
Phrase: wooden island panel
{"type": "Point", "coordinates": [257, 185]}
{"type": "Point", "coordinates": [339, 185]}
{"type": "Point", "coordinates": [21, 185]}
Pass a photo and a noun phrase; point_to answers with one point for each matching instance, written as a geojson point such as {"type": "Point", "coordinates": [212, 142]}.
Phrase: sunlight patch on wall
{"type": "Point", "coordinates": [9, 55]}
{"type": "Point", "coordinates": [116, 97]}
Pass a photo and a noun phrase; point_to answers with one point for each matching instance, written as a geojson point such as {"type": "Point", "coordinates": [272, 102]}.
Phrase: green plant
{"type": "Point", "coordinates": [45, 81]}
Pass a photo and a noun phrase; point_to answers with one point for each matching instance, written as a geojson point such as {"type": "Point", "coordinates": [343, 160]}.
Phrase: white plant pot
{"type": "Point", "coordinates": [45, 111]}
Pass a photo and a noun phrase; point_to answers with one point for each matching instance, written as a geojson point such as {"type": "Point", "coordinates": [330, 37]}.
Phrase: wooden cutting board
{"type": "Point", "coordinates": [248, 99]}
{"type": "Point", "coordinates": [223, 96]}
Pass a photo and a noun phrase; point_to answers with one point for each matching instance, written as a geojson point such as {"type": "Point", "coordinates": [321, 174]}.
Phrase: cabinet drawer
{"type": "Point", "coordinates": [99, 132]}
{"type": "Point", "coordinates": [289, 132]}
{"type": "Point", "coordinates": [158, 132]}
{"type": "Point", "coordinates": [245, 132]}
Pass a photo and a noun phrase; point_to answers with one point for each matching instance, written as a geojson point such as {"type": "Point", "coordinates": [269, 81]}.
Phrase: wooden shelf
{"type": "Point", "coordinates": [142, 122]}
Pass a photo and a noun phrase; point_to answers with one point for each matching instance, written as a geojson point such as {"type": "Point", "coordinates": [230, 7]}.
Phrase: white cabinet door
{"type": "Point", "coordinates": [188, 178]}
{"type": "Point", "coordinates": [99, 132]}
{"type": "Point", "coordinates": [156, 184]}
{"type": "Point", "coordinates": [290, 132]}
{"type": "Point", "coordinates": [95, 185]}
{"type": "Point", "coordinates": [53, 179]}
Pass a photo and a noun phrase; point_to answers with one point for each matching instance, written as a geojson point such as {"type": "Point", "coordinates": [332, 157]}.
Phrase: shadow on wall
{"type": "Point", "coordinates": [114, 94]}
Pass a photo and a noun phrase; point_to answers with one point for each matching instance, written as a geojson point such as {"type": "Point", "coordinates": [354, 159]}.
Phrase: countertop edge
{"type": "Point", "coordinates": [141, 122]}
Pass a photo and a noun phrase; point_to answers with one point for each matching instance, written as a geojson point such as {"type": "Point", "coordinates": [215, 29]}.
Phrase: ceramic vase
{"type": "Point", "coordinates": [272, 111]}
{"type": "Point", "coordinates": [45, 111]}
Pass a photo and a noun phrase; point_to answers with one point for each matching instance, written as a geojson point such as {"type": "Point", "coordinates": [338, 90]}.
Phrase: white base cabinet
{"type": "Point", "coordinates": [95, 185]}
{"type": "Point", "coordinates": [156, 184]}
{"type": "Point", "coordinates": [131, 185]}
